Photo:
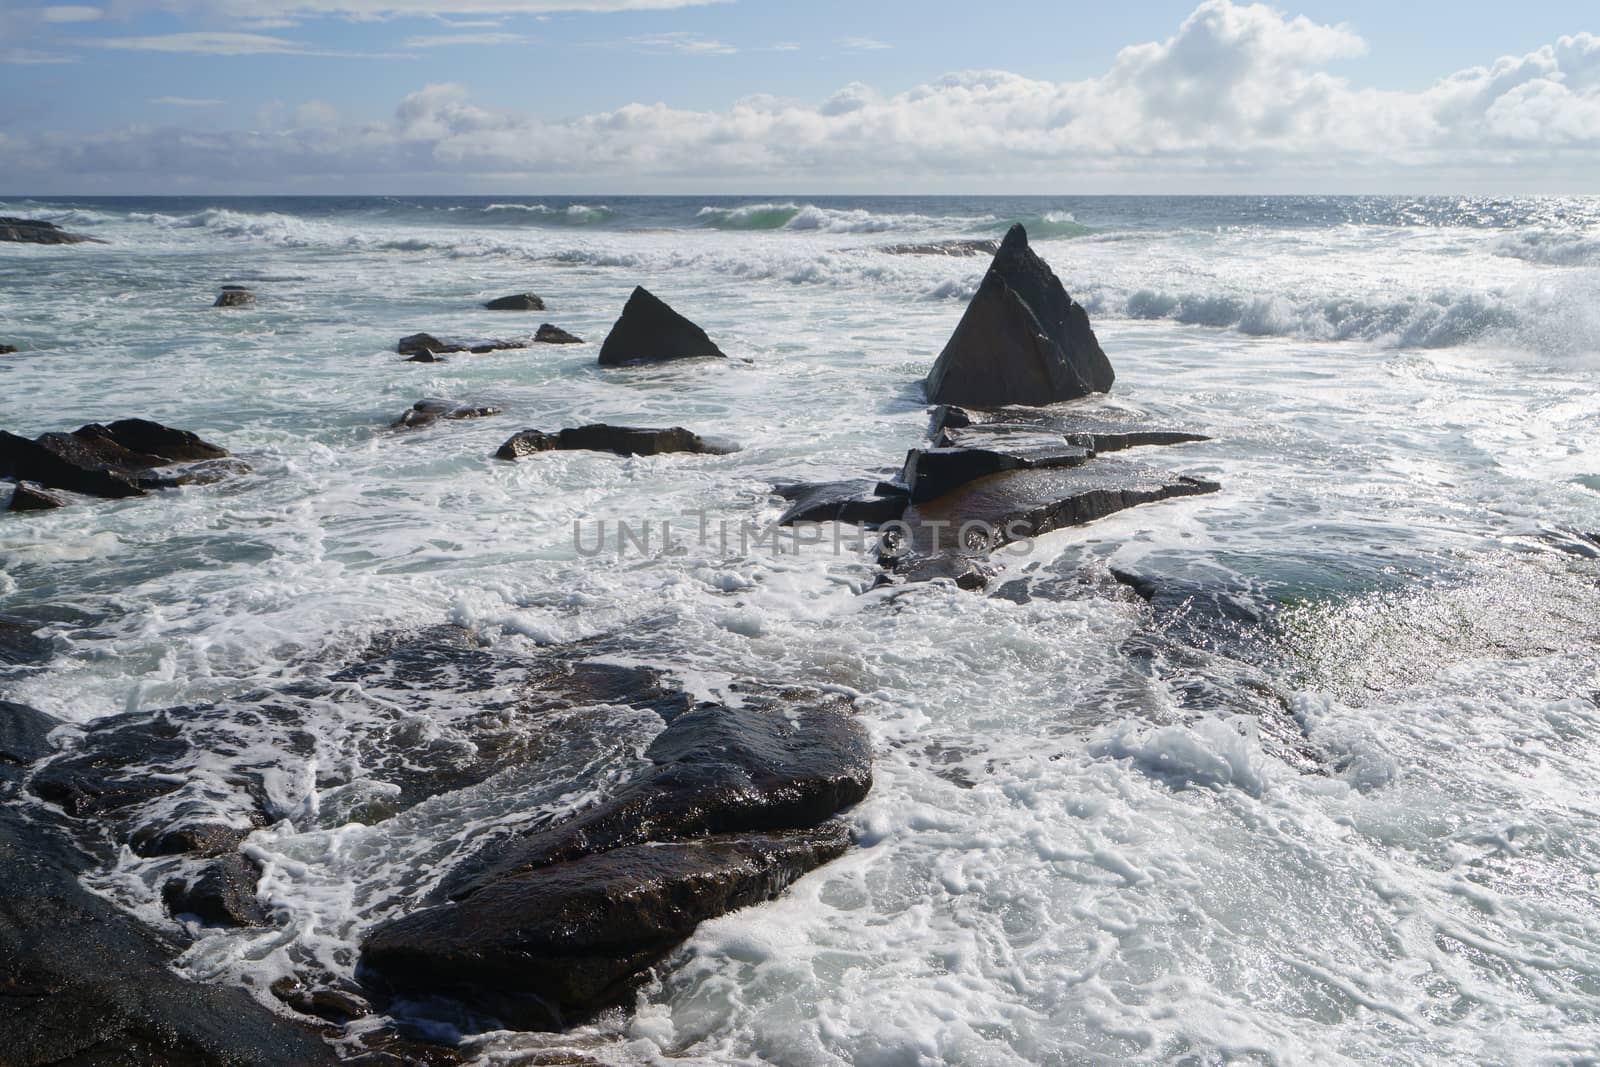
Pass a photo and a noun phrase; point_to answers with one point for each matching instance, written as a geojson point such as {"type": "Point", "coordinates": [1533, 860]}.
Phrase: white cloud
{"type": "Point", "coordinates": [863, 44]}
{"type": "Point", "coordinates": [1240, 96]}
{"type": "Point", "coordinates": [456, 40]}
{"type": "Point", "coordinates": [396, 8]}
{"type": "Point", "coordinates": [206, 44]}
{"type": "Point", "coordinates": [687, 43]}
{"type": "Point", "coordinates": [185, 101]}
{"type": "Point", "coordinates": [69, 13]}
{"type": "Point", "coordinates": [30, 57]}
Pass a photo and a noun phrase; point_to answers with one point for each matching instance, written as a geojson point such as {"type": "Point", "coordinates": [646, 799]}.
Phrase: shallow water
{"type": "Point", "coordinates": [1337, 808]}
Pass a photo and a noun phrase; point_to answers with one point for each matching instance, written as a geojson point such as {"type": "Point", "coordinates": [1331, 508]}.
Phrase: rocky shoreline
{"type": "Point", "coordinates": [554, 920]}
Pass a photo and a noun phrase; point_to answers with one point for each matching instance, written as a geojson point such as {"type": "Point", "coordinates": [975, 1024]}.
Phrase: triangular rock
{"type": "Point", "coordinates": [651, 332]}
{"type": "Point", "coordinates": [1022, 340]}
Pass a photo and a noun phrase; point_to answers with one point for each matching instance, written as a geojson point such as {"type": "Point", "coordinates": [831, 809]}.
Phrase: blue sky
{"type": "Point", "coordinates": [753, 95]}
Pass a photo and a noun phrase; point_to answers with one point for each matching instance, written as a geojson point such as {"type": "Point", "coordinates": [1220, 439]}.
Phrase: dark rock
{"type": "Point", "coordinates": [84, 983]}
{"type": "Point", "coordinates": [555, 335]}
{"type": "Point", "coordinates": [1022, 340]}
{"type": "Point", "coordinates": [24, 739]}
{"type": "Point", "coordinates": [115, 460]}
{"type": "Point", "coordinates": [425, 357]}
{"type": "Point", "coordinates": [933, 472]}
{"type": "Point", "coordinates": [112, 769]}
{"type": "Point", "coordinates": [30, 496]}
{"type": "Point", "coordinates": [222, 893]}
{"type": "Point", "coordinates": [519, 302]}
{"type": "Point", "coordinates": [19, 644]}
{"type": "Point", "coordinates": [425, 344]}
{"type": "Point", "coordinates": [335, 1005]}
{"type": "Point", "coordinates": [1000, 509]}
{"type": "Point", "coordinates": [651, 332]}
{"type": "Point", "coordinates": [1098, 431]}
{"type": "Point", "coordinates": [623, 440]}
{"type": "Point", "coordinates": [776, 763]}
{"type": "Point", "coordinates": [36, 231]}
{"type": "Point", "coordinates": [985, 246]}
{"type": "Point", "coordinates": [544, 948]}
{"type": "Point", "coordinates": [234, 296]}
{"type": "Point", "coordinates": [6, 350]}
{"type": "Point", "coordinates": [856, 503]}
{"type": "Point", "coordinates": [199, 839]}
{"type": "Point", "coordinates": [429, 411]}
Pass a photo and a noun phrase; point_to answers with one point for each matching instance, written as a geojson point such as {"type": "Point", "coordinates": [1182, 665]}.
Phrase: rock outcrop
{"type": "Point", "coordinates": [235, 296]}
{"type": "Point", "coordinates": [30, 496]}
{"type": "Point", "coordinates": [551, 927]}
{"type": "Point", "coordinates": [428, 411]}
{"type": "Point", "coordinates": [120, 459]}
{"type": "Point", "coordinates": [6, 350]}
{"type": "Point", "coordinates": [651, 332]}
{"type": "Point", "coordinates": [429, 348]}
{"type": "Point", "coordinates": [518, 302]}
{"type": "Point", "coordinates": [39, 232]}
{"type": "Point", "coordinates": [1022, 340]}
{"type": "Point", "coordinates": [623, 440]}
{"type": "Point", "coordinates": [555, 335]}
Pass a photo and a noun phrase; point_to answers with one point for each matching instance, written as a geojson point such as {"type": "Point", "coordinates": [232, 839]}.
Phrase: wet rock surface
{"type": "Point", "coordinates": [31, 496]}
{"type": "Point", "coordinates": [234, 296]}
{"type": "Point", "coordinates": [429, 347]}
{"type": "Point", "coordinates": [1022, 339]}
{"type": "Point", "coordinates": [649, 331]}
{"type": "Point", "coordinates": [430, 410]}
{"type": "Point", "coordinates": [623, 440]}
{"type": "Point", "coordinates": [82, 982]}
{"type": "Point", "coordinates": [859, 502]}
{"type": "Point", "coordinates": [547, 334]}
{"type": "Point", "coordinates": [544, 948]}
{"type": "Point", "coordinates": [20, 644]}
{"type": "Point", "coordinates": [39, 232]}
{"type": "Point", "coordinates": [1098, 429]}
{"type": "Point", "coordinates": [221, 893]}
{"type": "Point", "coordinates": [116, 460]}
{"type": "Point", "coordinates": [516, 302]}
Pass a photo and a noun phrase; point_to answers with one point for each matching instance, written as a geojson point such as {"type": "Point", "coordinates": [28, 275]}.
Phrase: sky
{"type": "Point", "coordinates": [142, 97]}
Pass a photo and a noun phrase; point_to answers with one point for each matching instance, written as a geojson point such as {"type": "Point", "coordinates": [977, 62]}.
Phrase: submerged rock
{"type": "Point", "coordinates": [430, 347]}
{"type": "Point", "coordinates": [1022, 339]}
{"type": "Point", "coordinates": [6, 350]}
{"type": "Point", "coordinates": [121, 459]}
{"type": "Point", "coordinates": [30, 496]}
{"type": "Point", "coordinates": [86, 983]}
{"type": "Point", "coordinates": [623, 440]}
{"type": "Point", "coordinates": [221, 893]}
{"type": "Point", "coordinates": [519, 302]}
{"type": "Point", "coordinates": [544, 948]}
{"type": "Point", "coordinates": [428, 411]}
{"type": "Point", "coordinates": [24, 739]}
{"type": "Point", "coordinates": [986, 246]}
{"type": "Point", "coordinates": [555, 335]}
{"type": "Point", "coordinates": [235, 296]}
{"type": "Point", "coordinates": [39, 232]}
{"type": "Point", "coordinates": [651, 332]}
{"type": "Point", "coordinates": [20, 644]}
{"type": "Point", "coordinates": [1098, 430]}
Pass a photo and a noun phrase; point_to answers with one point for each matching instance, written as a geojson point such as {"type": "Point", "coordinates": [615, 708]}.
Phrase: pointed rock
{"type": "Point", "coordinates": [651, 332]}
{"type": "Point", "coordinates": [1022, 340]}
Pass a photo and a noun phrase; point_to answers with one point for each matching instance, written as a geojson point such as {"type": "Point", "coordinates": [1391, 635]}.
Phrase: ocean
{"type": "Point", "coordinates": [1329, 797]}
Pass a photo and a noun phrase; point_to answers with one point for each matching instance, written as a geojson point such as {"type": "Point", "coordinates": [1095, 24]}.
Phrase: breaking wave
{"type": "Point", "coordinates": [809, 217]}
{"type": "Point", "coordinates": [1553, 248]}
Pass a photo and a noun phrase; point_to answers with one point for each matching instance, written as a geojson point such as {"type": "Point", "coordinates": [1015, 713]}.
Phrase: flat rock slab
{"type": "Point", "coordinates": [781, 761]}
{"type": "Point", "coordinates": [622, 440]}
{"type": "Point", "coordinates": [1098, 430]}
{"type": "Point", "coordinates": [957, 248]}
{"type": "Point", "coordinates": [858, 502]}
{"type": "Point", "coordinates": [1003, 508]}
{"type": "Point", "coordinates": [648, 331]}
{"type": "Point", "coordinates": [930, 473]}
{"type": "Point", "coordinates": [544, 948]}
{"type": "Point", "coordinates": [39, 232]}
{"type": "Point", "coordinates": [427, 345]}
